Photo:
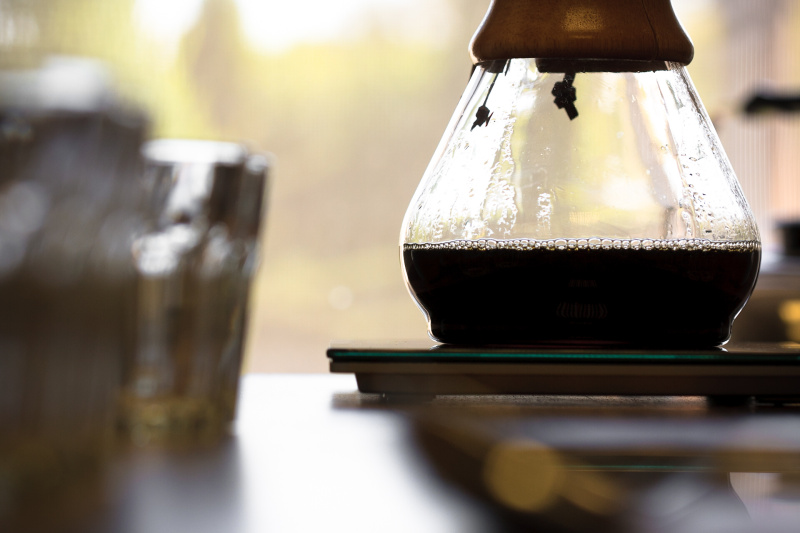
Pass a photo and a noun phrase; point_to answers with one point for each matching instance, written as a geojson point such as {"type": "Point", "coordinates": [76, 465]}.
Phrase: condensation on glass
{"type": "Point", "coordinates": [571, 206]}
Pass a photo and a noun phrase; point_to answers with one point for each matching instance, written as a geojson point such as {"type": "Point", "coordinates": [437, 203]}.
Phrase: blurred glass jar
{"type": "Point", "coordinates": [580, 202]}
{"type": "Point", "coordinates": [194, 268]}
{"type": "Point", "coordinates": [69, 209]}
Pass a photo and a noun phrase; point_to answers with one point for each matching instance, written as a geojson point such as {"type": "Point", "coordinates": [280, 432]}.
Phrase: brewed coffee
{"type": "Point", "coordinates": [582, 291]}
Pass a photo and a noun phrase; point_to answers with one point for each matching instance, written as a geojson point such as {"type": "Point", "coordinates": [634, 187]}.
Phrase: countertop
{"type": "Point", "coordinates": [310, 453]}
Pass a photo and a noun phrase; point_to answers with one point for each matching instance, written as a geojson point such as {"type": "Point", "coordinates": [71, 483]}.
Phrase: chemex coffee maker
{"type": "Point", "coordinates": [579, 228]}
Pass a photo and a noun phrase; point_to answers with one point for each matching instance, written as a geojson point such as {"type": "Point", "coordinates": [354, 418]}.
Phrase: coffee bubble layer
{"type": "Point", "coordinates": [592, 291]}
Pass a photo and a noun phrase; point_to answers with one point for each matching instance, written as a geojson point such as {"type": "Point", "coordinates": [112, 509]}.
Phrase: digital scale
{"type": "Point", "coordinates": [770, 372]}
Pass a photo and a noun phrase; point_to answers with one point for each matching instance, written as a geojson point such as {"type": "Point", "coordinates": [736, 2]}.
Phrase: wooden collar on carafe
{"type": "Point", "coordinates": [585, 35]}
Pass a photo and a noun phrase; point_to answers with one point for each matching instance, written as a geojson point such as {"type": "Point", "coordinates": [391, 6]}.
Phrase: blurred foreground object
{"type": "Point", "coordinates": [575, 464]}
{"type": "Point", "coordinates": [194, 270]}
{"type": "Point", "coordinates": [69, 201]}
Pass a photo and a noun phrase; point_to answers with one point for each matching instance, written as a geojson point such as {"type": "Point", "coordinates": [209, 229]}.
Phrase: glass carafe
{"type": "Point", "coordinates": [580, 202]}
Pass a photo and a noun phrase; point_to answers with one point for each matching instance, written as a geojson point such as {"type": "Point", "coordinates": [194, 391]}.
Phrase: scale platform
{"type": "Point", "coordinates": [770, 372]}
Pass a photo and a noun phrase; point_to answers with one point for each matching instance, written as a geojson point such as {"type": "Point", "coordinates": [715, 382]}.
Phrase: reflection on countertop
{"type": "Point", "coordinates": [310, 453]}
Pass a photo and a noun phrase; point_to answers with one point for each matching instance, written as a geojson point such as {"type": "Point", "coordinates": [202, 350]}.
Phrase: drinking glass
{"type": "Point", "coordinates": [194, 267]}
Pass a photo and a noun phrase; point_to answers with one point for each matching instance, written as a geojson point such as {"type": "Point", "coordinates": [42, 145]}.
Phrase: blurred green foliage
{"type": "Point", "coordinates": [352, 126]}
